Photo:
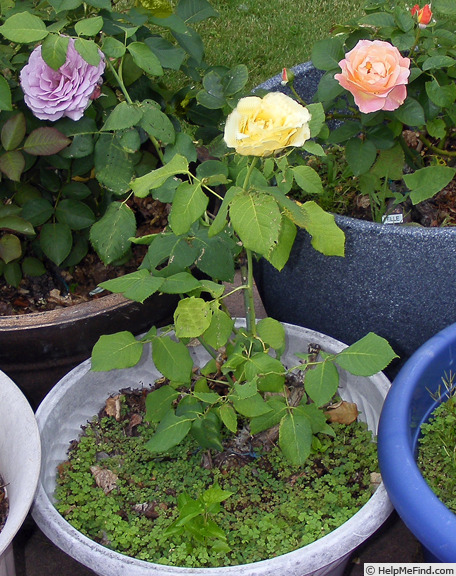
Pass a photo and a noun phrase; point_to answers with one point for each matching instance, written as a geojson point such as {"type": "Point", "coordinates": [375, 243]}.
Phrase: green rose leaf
{"type": "Point", "coordinates": [411, 113]}
{"type": "Point", "coordinates": [442, 96]}
{"type": "Point", "coordinates": [172, 359]}
{"type": "Point", "coordinates": [114, 351]}
{"type": "Point", "coordinates": [13, 132]}
{"type": "Point", "coordinates": [438, 62]}
{"type": "Point", "coordinates": [37, 211]}
{"type": "Point", "coordinates": [169, 56]}
{"type": "Point", "coordinates": [367, 356]}
{"type": "Point", "coordinates": [88, 50]}
{"type": "Point", "coordinates": [268, 371]}
{"type": "Point", "coordinates": [114, 167]}
{"type": "Point", "coordinates": [220, 220]}
{"type": "Point", "coordinates": [228, 417]}
{"type": "Point", "coordinates": [102, 4]}
{"type": "Point", "coordinates": [61, 5]}
{"type": "Point", "coordinates": [295, 437]}
{"type": "Point", "coordinates": [326, 54]}
{"type": "Point", "coordinates": [144, 58]}
{"type": "Point", "coordinates": [110, 235]}
{"type": "Point", "coordinates": [192, 317]}
{"type": "Point", "coordinates": [192, 43]}
{"type": "Point", "coordinates": [157, 124]}
{"type": "Point", "coordinates": [5, 95]}
{"type": "Point", "coordinates": [54, 50]}
{"type": "Point", "coordinates": [195, 11]}
{"type": "Point", "coordinates": [327, 237]}
{"type": "Point", "coordinates": [308, 179]}
{"type": "Point", "coordinates": [256, 218]}
{"type": "Point", "coordinates": [171, 430]}
{"type": "Point", "coordinates": [206, 432]}
{"type": "Point", "coordinates": [321, 382]}
{"type": "Point", "coordinates": [278, 410]}
{"type": "Point", "coordinates": [56, 241]}
{"type": "Point", "coordinates": [89, 26]}
{"type": "Point", "coordinates": [122, 117]}
{"type": "Point", "coordinates": [271, 332]}
{"type": "Point", "coordinates": [137, 286]}
{"type": "Point", "coordinates": [220, 329]}
{"type": "Point", "coordinates": [12, 164]}
{"type": "Point", "coordinates": [45, 141]}
{"type": "Point", "coordinates": [15, 223]}
{"type": "Point", "coordinates": [280, 253]}
{"type": "Point", "coordinates": [24, 28]}
{"type": "Point", "coordinates": [360, 155]}
{"type": "Point", "coordinates": [143, 185]}
{"type": "Point", "coordinates": [215, 255]}
{"type": "Point", "coordinates": [426, 182]}
{"type": "Point", "coordinates": [75, 214]}
{"type": "Point", "coordinates": [189, 204]}
{"type": "Point", "coordinates": [113, 48]}
{"type": "Point", "coordinates": [390, 163]}
{"type": "Point", "coordinates": [251, 407]}
{"type": "Point", "coordinates": [12, 273]}
{"type": "Point", "coordinates": [10, 248]}
{"type": "Point", "coordinates": [180, 283]}
{"type": "Point", "coordinates": [158, 403]}
{"type": "Point", "coordinates": [447, 7]}
{"type": "Point", "coordinates": [33, 267]}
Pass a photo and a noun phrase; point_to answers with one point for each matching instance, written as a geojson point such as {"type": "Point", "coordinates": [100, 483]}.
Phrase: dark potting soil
{"type": "Point", "coordinates": [60, 288]}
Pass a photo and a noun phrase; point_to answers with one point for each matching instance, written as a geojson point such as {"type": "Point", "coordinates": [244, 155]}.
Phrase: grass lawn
{"type": "Point", "coordinates": [267, 35]}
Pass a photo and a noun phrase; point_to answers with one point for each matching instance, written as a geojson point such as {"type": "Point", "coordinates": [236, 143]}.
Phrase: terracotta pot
{"type": "Point", "coordinates": [37, 349]}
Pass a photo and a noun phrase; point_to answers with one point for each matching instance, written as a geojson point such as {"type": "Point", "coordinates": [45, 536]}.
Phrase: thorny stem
{"type": "Point", "coordinates": [435, 149]}
{"type": "Point", "coordinates": [247, 271]}
{"type": "Point", "coordinates": [118, 77]}
{"type": "Point", "coordinates": [247, 282]}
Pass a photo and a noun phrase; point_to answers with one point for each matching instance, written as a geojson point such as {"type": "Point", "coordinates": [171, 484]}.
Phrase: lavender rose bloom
{"type": "Point", "coordinates": [51, 94]}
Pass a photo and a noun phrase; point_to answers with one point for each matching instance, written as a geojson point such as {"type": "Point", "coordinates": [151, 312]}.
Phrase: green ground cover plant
{"type": "Point", "coordinates": [175, 511]}
{"type": "Point", "coordinates": [437, 449]}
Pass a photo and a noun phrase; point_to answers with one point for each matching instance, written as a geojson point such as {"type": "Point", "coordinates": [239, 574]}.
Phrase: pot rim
{"type": "Point", "coordinates": [421, 510]}
{"type": "Point", "coordinates": [336, 545]}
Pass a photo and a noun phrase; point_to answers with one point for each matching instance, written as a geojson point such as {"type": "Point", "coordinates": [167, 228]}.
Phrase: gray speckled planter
{"type": "Point", "coordinates": [396, 280]}
{"type": "Point", "coordinates": [81, 394]}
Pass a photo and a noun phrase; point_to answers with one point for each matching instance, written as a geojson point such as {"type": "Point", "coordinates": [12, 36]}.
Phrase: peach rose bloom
{"type": "Point", "coordinates": [376, 75]}
{"type": "Point", "coordinates": [262, 126]}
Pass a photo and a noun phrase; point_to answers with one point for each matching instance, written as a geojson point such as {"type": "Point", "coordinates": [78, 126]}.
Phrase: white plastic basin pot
{"type": "Point", "coordinates": [20, 456]}
{"type": "Point", "coordinates": [408, 405]}
{"type": "Point", "coordinates": [80, 395]}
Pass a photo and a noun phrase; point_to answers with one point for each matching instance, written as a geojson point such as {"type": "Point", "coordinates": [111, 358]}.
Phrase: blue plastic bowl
{"type": "Point", "coordinates": [408, 404]}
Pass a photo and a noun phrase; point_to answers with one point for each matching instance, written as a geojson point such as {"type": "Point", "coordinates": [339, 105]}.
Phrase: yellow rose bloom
{"type": "Point", "coordinates": [262, 126]}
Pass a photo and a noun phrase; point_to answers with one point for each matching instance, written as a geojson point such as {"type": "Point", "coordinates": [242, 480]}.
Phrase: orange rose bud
{"type": "Point", "coordinates": [424, 14]}
{"type": "Point", "coordinates": [284, 81]}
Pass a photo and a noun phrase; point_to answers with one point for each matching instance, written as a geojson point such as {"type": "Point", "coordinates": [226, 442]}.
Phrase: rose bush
{"type": "Point", "coordinates": [67, 156]}
{"type": "Point", "coordinates": [52, 94]}
{"type": "Point", "coordinates": [376, 74]}
{"type": "Point", "coordinates": [389, 93]}
{"type": "Point", "coordinates": [261, 127]}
